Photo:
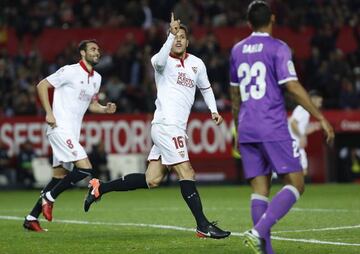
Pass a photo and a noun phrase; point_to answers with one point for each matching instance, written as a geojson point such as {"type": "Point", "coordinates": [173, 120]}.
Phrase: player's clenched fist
{"type": "Point", "coordinates": [110, 108]}
{"type": "Point", "coordinates": [174, 25]}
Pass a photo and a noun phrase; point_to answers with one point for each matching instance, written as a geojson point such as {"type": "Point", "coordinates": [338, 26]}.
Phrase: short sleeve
{"type": "Point", "coordinates": [202, 80]}
{"type": "Point", "coordinates": [284, 65]}
{"type": "Point", "coordinates": [59, 77]}
{"type": "Point", "coordinates": [234, 79]}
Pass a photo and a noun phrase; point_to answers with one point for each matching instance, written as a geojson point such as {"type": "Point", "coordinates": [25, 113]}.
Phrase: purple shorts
{"type": "Point", "coordinates": [263, 158]}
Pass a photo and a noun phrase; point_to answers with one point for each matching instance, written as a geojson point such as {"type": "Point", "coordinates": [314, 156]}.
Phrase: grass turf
{"type": "Point", "coordinates": [322, 206]}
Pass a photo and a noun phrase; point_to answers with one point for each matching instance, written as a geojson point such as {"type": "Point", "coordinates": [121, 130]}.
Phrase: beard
{"type": "Point", "coordinates": [91, 60]}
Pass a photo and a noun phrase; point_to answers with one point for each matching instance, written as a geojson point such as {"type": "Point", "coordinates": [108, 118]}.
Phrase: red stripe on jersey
{"type": "Point", "coordinates": [82, 64]}
{"type": "Point", "coordinates": [181, 59]}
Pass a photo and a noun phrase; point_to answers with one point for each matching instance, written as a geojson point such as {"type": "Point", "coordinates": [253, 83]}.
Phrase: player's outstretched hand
{"type": "Point", "coordinates": [174, 25]}
{"type": "Point", "coordinates": [329, 131]}
{"type": "Point", "coordinates": [217, 118]}
{"type": "Point", "coordinates": [50, 119]}
{"type": "Point", "coordinates": [110, 108]}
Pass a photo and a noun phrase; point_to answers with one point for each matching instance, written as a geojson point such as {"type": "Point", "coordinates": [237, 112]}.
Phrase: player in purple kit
{"type": "Point", "coordinates": [261, 68]}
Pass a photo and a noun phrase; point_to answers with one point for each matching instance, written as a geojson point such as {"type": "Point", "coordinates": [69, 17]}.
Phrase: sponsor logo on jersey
{"type": "Point", "coordinates": [74, 153]}
{"type": "Point", "coordinates": [83, 96]}
{"type": "Point", "coordinates": [182, 154]}
{"type": "Point", "coordinates": [194, 69]}
{"type": "Point", "coordinates": [184, 81]}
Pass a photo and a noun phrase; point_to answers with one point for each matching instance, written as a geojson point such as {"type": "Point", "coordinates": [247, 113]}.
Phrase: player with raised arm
{"type": "Point", "coordinates": [299, 127]}
{"type": "Point", "coordinates": [261, 68]}
{"type": "Point", "coordinates": [177, 74]}
{"type": "Point", "coordinates": [75, 91]}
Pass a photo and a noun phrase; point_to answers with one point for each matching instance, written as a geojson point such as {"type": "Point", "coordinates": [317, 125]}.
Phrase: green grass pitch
{"type": "Point", "coordinates": [325, 220]}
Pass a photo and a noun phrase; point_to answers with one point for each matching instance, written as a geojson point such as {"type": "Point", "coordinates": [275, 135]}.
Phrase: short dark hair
{"type": "Point", "coordinates": [313, 93]}
{"type": "Point", "coordinates": [82, 45]}
{"type": "Point", "coordinates": [258, 14]}
{"type": "Point", "coordinates": [183, 27]}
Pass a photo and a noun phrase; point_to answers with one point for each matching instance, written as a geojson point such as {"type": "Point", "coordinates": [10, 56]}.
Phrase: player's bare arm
{"type": "Point", "coordinates": [235, 102]}
{"type": "Point", "coordinates": [96, 107]}
{"type": "Point", "coordinates": [313, 127]}
{"type": "Point", "coordinates": [42, 89]}
{"type": "Point", "coordinates": [301, 97]}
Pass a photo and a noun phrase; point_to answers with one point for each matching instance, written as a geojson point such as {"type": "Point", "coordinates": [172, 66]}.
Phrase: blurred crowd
{"type": "Point", "coordinates": [31, 16]}
{"type": "Point", "coordinates": [128, 75]}
{"type": "Point", "coordinates": [18, 171]}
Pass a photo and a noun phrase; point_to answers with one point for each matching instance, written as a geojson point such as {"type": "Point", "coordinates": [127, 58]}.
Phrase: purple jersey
{"type": "Point", "coordinates": [260, 65]}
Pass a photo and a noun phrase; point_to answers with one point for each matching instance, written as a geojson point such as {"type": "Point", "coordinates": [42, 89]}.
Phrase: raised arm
{"type": "Point", "coordinates": [301, 97]}
{"type": "Point", "coordinates": [159, 60]}
{"type": "Point", "coordinates": [43, 92]}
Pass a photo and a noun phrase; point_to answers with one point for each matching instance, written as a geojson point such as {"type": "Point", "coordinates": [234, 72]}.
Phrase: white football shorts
{"type": "Point", "coordinates": [169, 144]}
{"type": "Point", "coordinates": [66, 149]}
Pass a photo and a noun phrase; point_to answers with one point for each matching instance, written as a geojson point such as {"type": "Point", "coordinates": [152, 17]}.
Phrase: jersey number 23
{"type": "Point", "coordinates": [246, 73]}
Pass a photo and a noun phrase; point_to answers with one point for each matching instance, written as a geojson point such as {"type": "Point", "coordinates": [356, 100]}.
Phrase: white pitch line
{"type": "Point", "coordinates": [317, 229]}
{"type": "Point", "coordinates": [106, 223]}
{"type": "Point", "coordinates": [313, 241]}
{"type": "Point", "coordinates": [297, 209]}
{"type": "Point", "coordinates": [180, 229]}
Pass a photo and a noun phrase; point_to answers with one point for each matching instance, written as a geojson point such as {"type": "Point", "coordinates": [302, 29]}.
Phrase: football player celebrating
{"type": "Point", "coordinates": [177, 74]}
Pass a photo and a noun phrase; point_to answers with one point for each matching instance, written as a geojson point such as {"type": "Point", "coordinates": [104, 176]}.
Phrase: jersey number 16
{"type": "Point", "coordinates": [245, 74]}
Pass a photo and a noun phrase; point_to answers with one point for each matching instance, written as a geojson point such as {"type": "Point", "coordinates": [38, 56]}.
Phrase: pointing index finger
{"type": "Point", "coordinates": [172, 17]}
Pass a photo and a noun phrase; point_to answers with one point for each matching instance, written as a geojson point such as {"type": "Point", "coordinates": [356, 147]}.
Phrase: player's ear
{"type": "Point", "coordinates": [82, 53]}
{"type": "Point", "coordinates": [187, 42]}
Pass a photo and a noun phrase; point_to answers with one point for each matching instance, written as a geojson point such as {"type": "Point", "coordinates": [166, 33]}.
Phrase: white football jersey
{"type": "Point", "coordinates": [75, 88]}
{"type": "Point", "coordinates": [176, 81]}
{"type": "Point", "coordinates": [302, 117]}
